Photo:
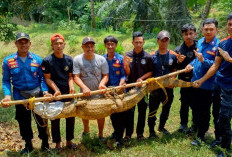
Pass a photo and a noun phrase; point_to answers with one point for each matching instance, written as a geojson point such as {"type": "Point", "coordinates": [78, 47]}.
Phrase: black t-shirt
{"type": "Point", "coordinates": [188, 52]}
{"type": "Point", "coordinates": [59, 68]}
{"type": "Point", "coordinates": [140, 64]}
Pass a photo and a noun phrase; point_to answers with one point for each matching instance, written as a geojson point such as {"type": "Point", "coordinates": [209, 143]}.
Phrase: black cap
{"type": "Point", "coordinates": [22, 36]}
{"type": "Point", "coordinates": [163, 34]}
{"type": "Point", "coordinates": [88, 40]}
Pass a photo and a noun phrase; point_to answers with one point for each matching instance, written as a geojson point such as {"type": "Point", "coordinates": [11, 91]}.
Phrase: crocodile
{"type": "Point", "coordinates": [112, 102]}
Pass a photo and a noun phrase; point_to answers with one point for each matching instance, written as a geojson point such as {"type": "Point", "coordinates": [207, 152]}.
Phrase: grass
{"type": "Point", "coordinates": [176, 144]}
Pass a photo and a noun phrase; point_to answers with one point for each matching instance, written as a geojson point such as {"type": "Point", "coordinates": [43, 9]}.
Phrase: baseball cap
{"type": "Point", "coordinates": [163, 34]}
{"type": "Point", "coordinates": [22, 35]}
{"type": "Point", "coordinates": [88, 40]}
{"type": "Point", "coordinates": [57, 36]}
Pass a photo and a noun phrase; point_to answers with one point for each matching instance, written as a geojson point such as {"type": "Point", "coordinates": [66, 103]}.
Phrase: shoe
{"type": "Point", "coordinates": [140, 137]}
{"type": "Point", "coordinates": [126, 138]}
{"type": "Point", "coordinates": [164, 131]}
{"type": "Point", "coordinates": [45, 145]}
{"type": "Point", "coordinates": [28, 148]}
{"type": "Point", "coordinates": [195, 143]}
{"type": "Point", "coordinates": [153, 136]}
{"type": "Point", "coordinates": [216, 143]}
{"type": "Point", "coordinates": [72, 146]}
{"type": "Point", "coordinates": [193, 129]}
{"type": "Point", "coordinates": [226, 154]}
{"type": "Point", "coordinates": [102, 139]}
{"type": "Point", "coordinates": [184, 129]}
{"type": "Point", "coordinates": [113, 136]}
{"type": "Point", "coordinates": [118, 144]}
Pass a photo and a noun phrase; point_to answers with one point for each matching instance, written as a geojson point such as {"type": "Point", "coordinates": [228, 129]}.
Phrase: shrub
{"type": "Point", "coordinates": [6, 28]}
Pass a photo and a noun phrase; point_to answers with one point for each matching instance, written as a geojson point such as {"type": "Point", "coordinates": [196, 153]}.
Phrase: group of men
{"type": "Point", "coordinates": [57, 73]}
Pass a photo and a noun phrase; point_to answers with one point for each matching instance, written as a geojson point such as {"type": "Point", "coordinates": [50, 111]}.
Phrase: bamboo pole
{"type": "Point", "coordinates": [78, 95]}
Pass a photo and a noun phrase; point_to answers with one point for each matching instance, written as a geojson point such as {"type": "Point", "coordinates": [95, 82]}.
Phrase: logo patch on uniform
{"type": "Point", "coordinates": [35, 73]}
{"type": "Point", "coordinates": [10, 60]}
{"type": "Point", "coordinates": [12, 63]}
{"type": "Point", "coordinates": [66, 68]}
{"type": "Point", "coordinates": [211, 53]}
{"type": "Point", "coordinates": [117, 61]}
{"type": "Point", "coordinates": [214, 48]}
{"type": "Point", "coordinates": [170, 61]}
{"type": "Point", "coordinates": [34, 61]}
{"type": "Point", "coordinates": [117, 72]}
{"type": "Point", "coordinates": [14, 66]}
{"type": "Point", "coordinates": [116, 65]}
{"type": "Point", "coordinates": [143, 61]}
{"type": "Point", "coordinates": [34, 65]}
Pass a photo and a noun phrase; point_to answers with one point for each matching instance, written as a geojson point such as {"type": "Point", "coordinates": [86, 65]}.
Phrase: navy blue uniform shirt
{"type": "Point", "coordinates": [116, 69]}
{"type": "Point", "coordinates": [140, 64]}
{"type": "Point", "coordinates": [190, 56]}
{"type": "Point", "coordinates": [224, 74]}
{"type": "Point", "coordinates": [163, 64]}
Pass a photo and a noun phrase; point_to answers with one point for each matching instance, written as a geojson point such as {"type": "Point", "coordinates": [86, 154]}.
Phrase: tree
{"type": "Point", "coordinates": [144, 12]}
{"type": "Point", "coordinates": [93, 15]}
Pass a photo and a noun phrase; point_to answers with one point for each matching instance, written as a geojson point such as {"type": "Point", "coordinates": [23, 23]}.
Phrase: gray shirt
{"type": "Point", "coordinates": [90, 71]}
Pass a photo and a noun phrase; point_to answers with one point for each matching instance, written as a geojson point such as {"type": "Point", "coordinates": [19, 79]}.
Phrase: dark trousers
{"type": "Point", "coordinates": [185, 99]}
{"type": "Point", "coordinates": [118, 123]}
{"type": "Point", "coordinates": [157, 97]}
{"type": "Point", "coordinates": [225, 114]}
{"type": "Point", "coordinates": [23, 116]}
{"type": "Point", "coordinates": [201, 103]}
{"type": "Point", "coordinates": [215, 111]}
{"type": "Point", "coordinates": [142, 107]}
{"type": "Point", "coordinates": [56, 129]}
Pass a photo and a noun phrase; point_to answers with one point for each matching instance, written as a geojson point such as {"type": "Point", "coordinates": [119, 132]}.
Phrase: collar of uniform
{"type": "Point", "coordinates": [139, 54]}
{"type": "Point", "coordinates": [114, 58]}
{"type": "Point", "coordinates": [213, 42]}
{"type": "Point", "coordinates": [193, 46]}
{"type": "Point", "coordinates": [28, 55]}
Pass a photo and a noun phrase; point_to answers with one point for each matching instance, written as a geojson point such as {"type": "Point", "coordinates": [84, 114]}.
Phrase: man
{"type": "Point", "coordinates": [138, 67]}
{"type": "Point", "coordinates": [164, 62]}
{"type": "Point", "coordinates": [23, 70]}
{"type": "Point", "coordinates": [91, 73]}
{"type": "Point", "coordinates": [117, 77]}
{"type": "Point", "coordinates": [57, 69]}
{"type": "Point", "coordinates": [223, 64]}
{"type": "Point", "coordinates": [185, 56]}
{"type": "Point", "coordinates": [202, 97]}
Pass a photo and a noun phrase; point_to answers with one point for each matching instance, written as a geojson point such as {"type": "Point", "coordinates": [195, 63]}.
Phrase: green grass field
{"type": "Point", "coordinates": [176, 144]}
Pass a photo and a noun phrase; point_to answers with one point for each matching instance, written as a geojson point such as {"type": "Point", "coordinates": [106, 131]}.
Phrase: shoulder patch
{"type": "Point", "coordinates": [153, 53]}
{"type": "Point", "coordinates": [173, 52]}
{"type": "Point", "coordinates": [225, 38]}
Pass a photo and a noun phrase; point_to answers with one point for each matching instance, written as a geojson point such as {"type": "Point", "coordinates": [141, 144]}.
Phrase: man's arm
{"type": "Point", "coordinates": [104, 80]}
{"type": "Point", "coordinates": [144, 77]}
{"type": "Point", "coordinates": [126, 64]}
{"type": "Point", "coordinates": [212, 70]}
{"type": "Point", "coordinates": [80, 83]}
{"type": "Point", "coordinates": [70, 83]}
{"type": "Point", "coordinates": [225, 55]}
{"type": "Point", "coordinates": [51, 84]}
{"type": "Point", "coordinates": [6, 85]}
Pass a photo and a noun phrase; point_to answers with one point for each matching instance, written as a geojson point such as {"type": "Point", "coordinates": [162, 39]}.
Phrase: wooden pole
{"type": "Point", "coordinates": [25, 101]}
